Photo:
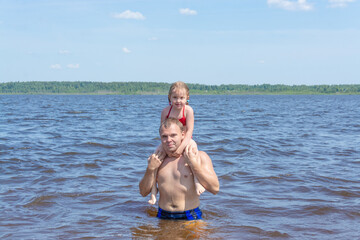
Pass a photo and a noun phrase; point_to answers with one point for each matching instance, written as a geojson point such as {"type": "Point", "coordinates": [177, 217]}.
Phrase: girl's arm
{"type": "Point", "coordinates": [163, 114]}
{"type": "Point", "coordinates": [189, 129]}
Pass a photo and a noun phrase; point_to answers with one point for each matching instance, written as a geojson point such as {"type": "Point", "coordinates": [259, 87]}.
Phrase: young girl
{"type": "Point", "coordinates": [179, 108]}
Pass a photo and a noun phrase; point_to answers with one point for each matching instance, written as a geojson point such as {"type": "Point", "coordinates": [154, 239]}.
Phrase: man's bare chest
{"type": "Point", "coordinates": [174, 170]}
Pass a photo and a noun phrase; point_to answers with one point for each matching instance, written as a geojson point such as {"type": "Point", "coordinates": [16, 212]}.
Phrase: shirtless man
{"type": "Point", "coordinates": [178, 198]}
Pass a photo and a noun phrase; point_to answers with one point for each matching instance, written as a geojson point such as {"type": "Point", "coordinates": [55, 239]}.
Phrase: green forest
{"type": "Point", "coordinates": [153, 88]}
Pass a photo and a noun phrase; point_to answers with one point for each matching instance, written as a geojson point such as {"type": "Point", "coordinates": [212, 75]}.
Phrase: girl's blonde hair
{"type": "Point", "coordinates": [176, 86]}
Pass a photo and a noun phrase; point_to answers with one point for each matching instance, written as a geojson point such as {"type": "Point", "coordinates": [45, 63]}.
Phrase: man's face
{"type": "Point", "coordinates": [171, 137]}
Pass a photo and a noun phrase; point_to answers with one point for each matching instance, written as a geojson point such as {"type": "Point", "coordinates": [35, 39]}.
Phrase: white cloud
{"type": "Point", "coordinates": [301, 5]}
{"type": "Point", "coordinates": [126, 50]}
{"type": "Point", "coordinates": [55, 66]}
{"type": "Point", "coordinates": [73, 66]}
{"type": "Point", "coordinates": [64, 52]}
{"type": "Point", "coordinates": [339, 3]}
{"type": "Point", "coordinates": [261, 61]}
{"type": "Point", "coordinates": [187, 11]}
{"type": "Point", "coordinates": [129, 15]}
{"type": "Point", "coordinates": [153, 39]}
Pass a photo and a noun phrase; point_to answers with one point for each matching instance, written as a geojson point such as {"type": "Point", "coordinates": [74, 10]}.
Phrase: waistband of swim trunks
{"type": "Point", "coordinates": [181, 212]}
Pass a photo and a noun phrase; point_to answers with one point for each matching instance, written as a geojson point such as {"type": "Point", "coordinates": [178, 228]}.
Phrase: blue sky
{"type": "Point", "coordinates": [196, 41]}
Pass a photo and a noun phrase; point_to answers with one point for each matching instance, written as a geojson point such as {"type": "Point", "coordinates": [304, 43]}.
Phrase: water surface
{"type": "Point", "coordinates": [288, 167]}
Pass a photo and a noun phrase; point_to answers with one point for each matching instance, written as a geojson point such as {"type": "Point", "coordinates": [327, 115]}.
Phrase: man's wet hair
{"type": "Point", "coordinates": [169, 121]}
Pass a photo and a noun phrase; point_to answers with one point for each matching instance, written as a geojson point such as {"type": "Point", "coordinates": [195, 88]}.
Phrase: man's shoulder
{"type": "Point", "coordinates": [204, 155]}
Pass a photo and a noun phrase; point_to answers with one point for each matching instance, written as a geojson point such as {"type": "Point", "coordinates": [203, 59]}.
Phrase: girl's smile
{"type": "Point", "coordinates": [179, 98]}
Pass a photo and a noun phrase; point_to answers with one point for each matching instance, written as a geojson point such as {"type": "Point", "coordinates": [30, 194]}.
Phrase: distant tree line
{"type": "Point", "coordinates": [136, 88]}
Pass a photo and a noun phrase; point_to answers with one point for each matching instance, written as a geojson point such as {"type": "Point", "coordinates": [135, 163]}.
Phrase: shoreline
{"type": "Point", "coordinates": [193, 94]}
{"type": "Point", "coordinates": [154, 88]}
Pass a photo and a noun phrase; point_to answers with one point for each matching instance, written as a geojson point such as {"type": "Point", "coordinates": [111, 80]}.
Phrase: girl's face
{"type": "Point", "coordinates": [178, 98]}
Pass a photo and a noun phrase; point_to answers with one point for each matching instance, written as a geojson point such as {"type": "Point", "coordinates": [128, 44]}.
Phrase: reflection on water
{"type": "Point", "coordinates": [288, 167]}
{"type": "Point", "coordinates": [171, 229]}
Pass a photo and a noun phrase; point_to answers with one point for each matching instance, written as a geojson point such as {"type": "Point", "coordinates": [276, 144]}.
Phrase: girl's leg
{"type": "Point", "coordinates": [199, 188]}
{"type": "Point", "coordinates": [152, 200]}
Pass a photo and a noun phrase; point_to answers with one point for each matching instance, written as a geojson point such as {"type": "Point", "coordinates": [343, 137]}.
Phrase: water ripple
{"type": "Point", "coordinates": [70, 167]}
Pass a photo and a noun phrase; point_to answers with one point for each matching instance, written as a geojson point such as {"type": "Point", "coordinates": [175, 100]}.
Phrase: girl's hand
{"type": "Point", "coordinates": [179, 152]}
{"type": "Point", "coordinates": [175, 155]}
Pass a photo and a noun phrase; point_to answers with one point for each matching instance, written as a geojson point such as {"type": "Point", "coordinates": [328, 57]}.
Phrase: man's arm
{"type": "Point", "coordinates": [202, 167]}
{"type": "Point", "coordinates": [146, 183]}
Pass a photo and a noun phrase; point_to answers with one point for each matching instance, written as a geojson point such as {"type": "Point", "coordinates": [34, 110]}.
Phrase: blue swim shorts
{"type": "Point", "coordinates": [193, 214]}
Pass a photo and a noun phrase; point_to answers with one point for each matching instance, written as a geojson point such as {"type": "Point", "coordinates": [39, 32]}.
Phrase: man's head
{"type": "Point", "coordinates": [171, 134]}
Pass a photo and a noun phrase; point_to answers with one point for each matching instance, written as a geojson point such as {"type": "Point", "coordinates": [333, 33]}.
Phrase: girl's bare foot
{"type": "Point", "coordinates": [198, 187]}
{"type": "Point", "coordinates": [152, 200]}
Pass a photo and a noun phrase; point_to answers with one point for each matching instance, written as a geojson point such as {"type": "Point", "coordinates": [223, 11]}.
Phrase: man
{"type": "Point", "coordinates": [178, 198]}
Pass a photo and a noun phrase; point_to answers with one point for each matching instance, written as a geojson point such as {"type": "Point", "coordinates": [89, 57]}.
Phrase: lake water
{"type": "Point", "coordinates": [288, 167]}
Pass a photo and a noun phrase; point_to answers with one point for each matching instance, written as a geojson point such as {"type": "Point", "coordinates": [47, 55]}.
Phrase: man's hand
{"type": "Point", "coordinates": [155, 160]}
{"type": "Point", "coordinates": [191, 155]}
{"type": "Point", "coordinates": [147, 182]}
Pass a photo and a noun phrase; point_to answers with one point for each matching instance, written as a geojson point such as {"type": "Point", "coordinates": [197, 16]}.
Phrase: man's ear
{"type": "Point", "coordinates": [182, 135]}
